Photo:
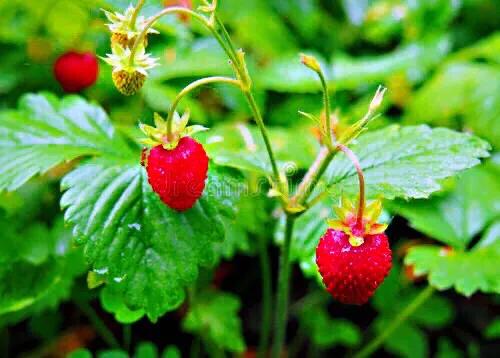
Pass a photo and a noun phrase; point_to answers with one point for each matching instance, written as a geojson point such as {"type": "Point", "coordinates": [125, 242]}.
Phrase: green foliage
{"type": "Point", "coordinates": [143, 350]}
{"type": "Point", "coordinates": [465, 271]}
{"type": "Point", "coordinates": [38, 267]}
{"type": "Point", "coordinates": [456, 217]}
{"type": "Point", "coordinates": [493, 329]}
{"type": "Point", "coordinates": [214, 316]}
{"type": "Point", "coordinates": [326, 332]}
{"type": "Point", "coordinates": [408, 340]}
{"type": "Point", "coordinates": [405, 162]}
{"type": "Point", "coordinates": [46, 131]}
{"type": "Point", "coordinates": [241, 146]}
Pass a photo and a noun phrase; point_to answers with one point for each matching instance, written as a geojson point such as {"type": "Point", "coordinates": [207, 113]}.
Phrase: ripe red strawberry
{"type": "Point", "coordinates": [76, 71]}
{"type": "Point", "coordinates": [354, 258]}
{"type": "Point", "coordinates": [178, 175]}
{"type": "Point", "coordinates": [352, 274]}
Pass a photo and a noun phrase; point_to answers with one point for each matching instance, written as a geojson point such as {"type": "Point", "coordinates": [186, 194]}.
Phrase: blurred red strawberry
{"type": "Point", "coordinates": [76, 71]}
{"type": "Point", "coordinates": [184, 3]}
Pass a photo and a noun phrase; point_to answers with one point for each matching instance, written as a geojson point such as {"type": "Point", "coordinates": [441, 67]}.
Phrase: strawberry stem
{"type": "Point", "coordinates": [354, 159]}
{"type": "Point", "coordinates": [138, 7]}
{"type": "Point", "coordinates": [191, 87]}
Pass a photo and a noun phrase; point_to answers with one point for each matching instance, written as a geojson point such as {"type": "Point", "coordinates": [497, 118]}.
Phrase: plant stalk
{"type": "Point", "coordinates": [192, 86]}
{"type": "Point", "coordinates": [266, 298]}
{"type": "Point", "coordinates": [101, 328]}
{"type": "Point", "coordinates": [396, 322]}
{"type": "Point", "coordinates": [354, 159]}
{"type": "Point", "coordinates": [281, 305]}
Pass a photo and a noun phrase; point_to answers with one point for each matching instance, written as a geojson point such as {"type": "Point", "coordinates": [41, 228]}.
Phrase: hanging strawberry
{"type": "Point", "coordinates": [177, 165]}
{"type": "Point", "coordinates": [76, 71]}
{"type": "Point", "coordinates": [354, 256]}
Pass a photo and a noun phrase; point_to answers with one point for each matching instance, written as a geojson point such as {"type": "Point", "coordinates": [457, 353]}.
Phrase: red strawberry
{"type": "Point", "coordinates": [178, 175]}
{"type": "Point", "coordinates": [354, 256]}
{"type": "Point", "coordinates": [76, 71]}
{"type": "Point", "coordinates": [182, 3]}
{"type": "Point", "coordinates": [352, 274]}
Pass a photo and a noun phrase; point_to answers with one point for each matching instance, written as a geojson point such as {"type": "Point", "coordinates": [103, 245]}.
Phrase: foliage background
{"type": "Point", "coordinates": [438, 58]}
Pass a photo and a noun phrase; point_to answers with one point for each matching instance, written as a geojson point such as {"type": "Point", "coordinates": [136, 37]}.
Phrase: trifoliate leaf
{"type": "Point", "coordinates": [405, 162]}
{"type": "Point", "coordinates": [456, 217]}
{"type": "Point", "coordinates": [146, 250]}
{"type": "Point", "coordinates": [465, 271]}
{"type": "Point", "coordinates": [214, 316]}
{"type": "Point", "coordinates": [44, 132]}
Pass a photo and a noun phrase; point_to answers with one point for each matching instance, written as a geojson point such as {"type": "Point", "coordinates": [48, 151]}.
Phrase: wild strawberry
{"type": "Point", "coordinates": [354, 259]}
{"type": "Point", "coordinates": [177, 165]}
{"type": "Point", "coordinates": [76, 71]}
{"type": "Point", "coordinates": [354, 256]}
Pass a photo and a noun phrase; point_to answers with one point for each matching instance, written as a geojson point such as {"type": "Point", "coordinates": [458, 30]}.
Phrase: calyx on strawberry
{"type": "Point", "coordinates": [177, 165]}
{"type": "Point", "coordinates": [76, 71]}
{"type": "Point", "coordinates": [129, 75]}
{"type": "Point", "coordinates": [125, 28]}
{"type": "Point", "coordinates": [354, 256]}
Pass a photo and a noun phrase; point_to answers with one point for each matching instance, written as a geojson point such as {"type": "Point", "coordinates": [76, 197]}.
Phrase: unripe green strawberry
{"type": "Point", "coordinates": [128, 83]}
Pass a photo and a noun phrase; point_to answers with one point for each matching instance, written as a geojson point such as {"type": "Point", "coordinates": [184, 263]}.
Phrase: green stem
{"type": "Point", "coordinates": [313, 175]}
{"type": "Point", "coordinates": [191, 87]}
{"type": "Point", "coordinates": [260, 123]}
{"type": "Point", "coordinates": [138, 8]}
{"type": "Point", "coordinates": [240, 68]}
{"type": "Point", "coordinates": [265, 325]}
{"type": "Point", "coordinates": [354, 159]}
{"type": "Point", "coordinates": [326, 101]}
{"type": "Point", "coordinates": [396, 322]}
{"type": "Point", "coordinates": [127, 336]}
{"type": "Point", "coordinates": [281, 305]}
{"type": "Point", "coordinates": [150, 22]}
{"type": "Point", "coordinates": [101, 328]}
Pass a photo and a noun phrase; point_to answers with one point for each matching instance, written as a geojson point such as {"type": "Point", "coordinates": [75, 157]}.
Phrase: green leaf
{"type": "Point", "coordinates": [214, 316]}
{"type": "Point", "coordinates": [469, 98]}
{"type": "Point", "coordinates": [465, 271]}
{"type": "Point", "coordinates": [113, 303]}
{"type": "Point", "coordinates": [405, 162]}
{"type": "Point", "coordinates": [456, 217]}
{"type": "Point", "coordinates": [146, 250]}
{"type": "Point", "coordinates": [326, 332]}
{"type": "Point", "coordinates": [45, 132]}
{"type": "Point", "coordinates": [36, 272]}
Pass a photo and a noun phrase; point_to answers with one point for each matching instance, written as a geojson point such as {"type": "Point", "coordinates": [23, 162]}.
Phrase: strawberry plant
{"type": "Point", "coordinates": [189, 197]}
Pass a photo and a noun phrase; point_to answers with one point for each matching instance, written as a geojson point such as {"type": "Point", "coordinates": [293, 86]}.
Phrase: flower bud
{"type": "Point", "coordinates": [311, 62]}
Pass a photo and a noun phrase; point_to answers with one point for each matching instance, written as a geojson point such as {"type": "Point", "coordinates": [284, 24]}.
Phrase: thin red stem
{"type": "Point", "coordinates": [354, 159]}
